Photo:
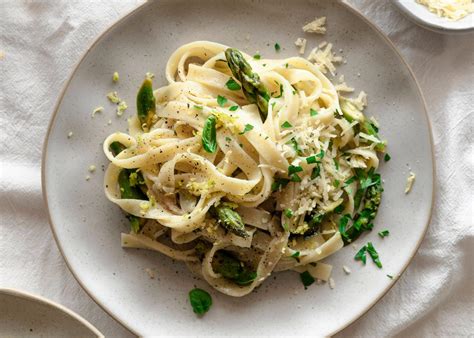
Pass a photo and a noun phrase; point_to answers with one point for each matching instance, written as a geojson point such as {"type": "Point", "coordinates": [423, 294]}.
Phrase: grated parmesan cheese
{"type": "Point", "coordinates": [325, 59]}
{"type": "Point", "coordinates": [301, 43]}
{"type": "Point", "coordinates": [122, 106]}
{"type": "Point", "coordinates": [451, 9]}
{"type": "Point", "coordinates": [97, 110]}
{"type": "Point", "coordinates": [69, 135]}
{"type": "Point", "coordinates": [346, 270]}
{"type": "Point", "coordinates": [92, 168]}
{"type": "Point", "coordinates": [316, 26]}
{"type": "Point", "coordinates": [332, 283]}
{"type": "Point", "coordinates": [150, 273]}
{"type": "Point", "coordinates": [410, 181]}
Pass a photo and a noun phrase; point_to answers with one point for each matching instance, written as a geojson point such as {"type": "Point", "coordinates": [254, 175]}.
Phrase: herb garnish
{"type": "Point", "coordinates": [277, 47]}
{"type": "Point", "coordinates": [384, 233]}
{"type": "Point", "coordinates": [279, 182]}
{"type": "Point", "coordinates": [234, 108]}
{"type": "Point", "coordinates": [295, 145]}
{"type": "Point", "coordinates": [387, 157]}
{"type": "Point", "coordinates": [232, 84]}
{"type": "Point", "coordinates": [221, 100]}
{"type": "Point", "coordinates": [200, 300]}
{"type": "Point", "coordinates": [306, 279]}
{"type": "Point", "coordinates": [315, 172]}
{"type": "Point", "coordinates": [208, 138]}
{"type": "Point", "coordinates": [374, 254]}
{"type": "Point", "coordinates": [248, 127]}
{"type": "Point", "coordinates": [197, 107]}
{"type": "Point", "coordinates": [288, 213]}
{"type": "Point", "coordinates": [360, 255]}
{"type": "Point", "coordinates": [294, 169]}
{"type": "Point", "coordinates": [286, 124]}
{"type": "Point", "coordinates": [257, 56]}
{"type": "Point", "coordinates": [313, 112]}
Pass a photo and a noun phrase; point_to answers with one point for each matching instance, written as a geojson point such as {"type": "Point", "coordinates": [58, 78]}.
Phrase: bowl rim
{"type": "Point", "coordinates": [45, 301]}
{"type": "Point", "coordinates": [133, 12]}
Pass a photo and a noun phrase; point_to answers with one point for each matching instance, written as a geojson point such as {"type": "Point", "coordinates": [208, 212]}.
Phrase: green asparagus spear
{"type": "Point", "coordinates": [231, 268]}
{"type": "Point", "coordinates": [230, 219]}
{"type": "Point", "coordinates": [252, 87]}
{"type": "Point", "coordinates": [116, 148]}
{"type": "Point", "coordinates": [146, 106]}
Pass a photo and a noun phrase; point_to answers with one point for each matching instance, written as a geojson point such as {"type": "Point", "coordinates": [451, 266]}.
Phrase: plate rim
{"type": "Point", "coordinates": [45, 301]}
{"type": "Point", "coordinates": [140, 7]}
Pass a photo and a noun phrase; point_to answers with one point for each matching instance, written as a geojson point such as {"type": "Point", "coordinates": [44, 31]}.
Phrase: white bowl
{"type": "Point", "coordinates": [420, 15]}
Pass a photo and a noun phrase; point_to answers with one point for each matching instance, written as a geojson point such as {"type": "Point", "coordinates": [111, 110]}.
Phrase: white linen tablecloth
{"type": "Point", "coordinates": [40, 42]}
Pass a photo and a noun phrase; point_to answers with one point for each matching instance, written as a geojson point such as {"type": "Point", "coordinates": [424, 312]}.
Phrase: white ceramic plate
{"type": "Point", "coordinates": [87, 226]}
{"type": "Point", "coordinates": [26, 315]}
{"type": "Point", "coordinates": [420, 15]}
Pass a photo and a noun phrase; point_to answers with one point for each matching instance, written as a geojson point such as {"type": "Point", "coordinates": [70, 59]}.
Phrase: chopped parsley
{"type": "Point", "coordinates": [228, 139]}
{"type": "Point", "coordinates": [221, 100]}
{"type": "Point", "coordinates": [248, 127]}
{"type": "Point", "coordinates": [336, 164]}
{"type": "Point", "coordinates": [321, 154]}
{"type": "Point", "coordinates": [232, 84]}
{"type": "Point", "coordinates": [311, 159]}
{"type": "Point", "coordinates": [288, 213]}
{"type": "Point", "coordinates": [295, 145]}
{"type": "Point", "coordinates": [257, 56]}
{"type": "Point", "coordinates": [277, 47]}
{"type": "Point", "coordinates": [313, 112]}
{"type": "Point", "coordinates": [295, 178]}
{"type": "Point", "coordinates": [296, 256]}
{"type": "Point", "coordinates": [285, 227]}
{"type": "Point", "coordinates": [387, 157]}
{"type": "Point", "coordinates": [200, 300]}
{"type": "Point", "coordinates": [343, 221]}
{"type": "Point", "coordinates": [198, 107]}
{"type": "Point", "coordinates": [315, 172]}
{"type": "Point", "coordinates": [350, 180]}
{"type": "Point", "coordinates": [234, 108]}
{"type": "Point", "coordinates": [384, 233]}
{"type": "Point", "coordinates": [374, 254]}
{"type": "Point", "coordinates": [336, 183]}
{"type": "Point", "coordinates": [390, 276]}
{"type": "Point", "coordinates": [361, 255]}
{"type": "Point", "coordinates": [306, 279]}
{"type": "Point", "coordinates": [294, 169]}
{"type": "Point", "coordinates": [339, 209]}
{"type": "Point", "coordinates": [279, 182]}
{"type": "Point", "coordinates": [286, 124]}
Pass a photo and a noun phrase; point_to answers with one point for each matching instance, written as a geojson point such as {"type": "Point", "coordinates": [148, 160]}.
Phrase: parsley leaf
{"type": "Point", "coordinates": [279, 182]}
{"type": "Point", "coordinates": [360, 255]}
{"type": "Point", "coordinates": [234, 108]}
{"type": "Point", "coordinates": [197, 107]}
{"type": "Point", "coordinates": [277, 47]}
{"type": "Point", "coordinates": [296, 256]}
{"type": "Point", "coordinates": [311, 159]}
{"type": "Point", "coordinates": [390, 276]}
{"type": "Point", "coordinates": [306, 279]}
{"type": "Point", "coordinates": [294, 169]}
{"type": "Point", "coordinates": [221, 100]}
{"type": "Point", "coordinates": [208, 138]}
{"type": "Point", "coordinates": [384, 233]}
{"type": "Point", "coordinates": [295, 178]}
{"type": "Point", "coordinates": [336, 164]}
{"type": "Point", "coordinates": [257, 56]}
{"type": "Point", "coordinates": [315, 172]}
{"type": "Point", "coordinates": [248, 127]}
{"type": "Point", "coordinates": [286, 124]}
{"type": "Point", "coordinates": [313, 112]}
{"type": "Point", "coordinates": [336, 183]}
{"type": "Point", "coordinates": [295, 145]}
{"type": "Point", "coordinates": [232, 84]}
{"type": "Point", "coordinates": [387, 157]}
{"type": "Point", "coordinates": [321, 154]}
{"type": "Point", "coordinates": [288, 213]}
{"type": "Point", "coordinates": [374, 254]}
{"type": "Point", "coordinates": [200, 300]}
{"type": "Point", "coordinates": [281, 92]}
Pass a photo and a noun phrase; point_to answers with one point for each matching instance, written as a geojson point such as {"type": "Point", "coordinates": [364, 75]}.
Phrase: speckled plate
{"type": "Point", "coordinates": [25, 315]}
{"type": "Point", "coordinates": [87, 226]}
{"type": "Point", "coordinates": [420, 15]}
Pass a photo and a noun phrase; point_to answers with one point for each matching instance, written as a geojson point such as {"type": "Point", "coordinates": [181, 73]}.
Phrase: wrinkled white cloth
{"type": "Point", "coordinates": [42, 40]}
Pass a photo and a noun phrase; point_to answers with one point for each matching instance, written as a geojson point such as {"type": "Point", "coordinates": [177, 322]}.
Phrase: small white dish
{"type": "Point", "coordinates": [87, 226]}
{"type": "Point", "coordinates": [420, 15]}
{"type": "Point", "coordinates": [25, 315]}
